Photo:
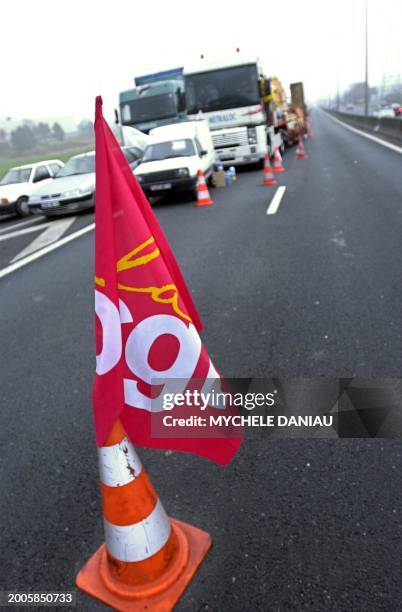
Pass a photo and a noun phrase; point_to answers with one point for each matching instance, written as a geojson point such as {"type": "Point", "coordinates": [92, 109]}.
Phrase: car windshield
{"type": "Point", "coordinates": [17, 175]}
{"type": "Point", "coordinates": [222, 89]}
{"type": "Point", "coordinates": [171, 148]}
{"type": "Point", "coordinates": [82, 164]}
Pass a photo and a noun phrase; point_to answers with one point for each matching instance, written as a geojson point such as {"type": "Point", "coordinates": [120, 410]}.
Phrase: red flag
{"type": "Point", "coordinates": [146, 324]}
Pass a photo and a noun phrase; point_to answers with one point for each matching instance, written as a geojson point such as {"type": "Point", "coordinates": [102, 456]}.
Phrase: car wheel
{"type": "Point", "coordinates": [22, 207]}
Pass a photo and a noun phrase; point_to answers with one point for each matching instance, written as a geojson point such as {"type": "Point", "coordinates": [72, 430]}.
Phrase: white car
{"type": "Point", "coordinates": [18, 183]}
{"type": "Point", "coordinates": [174, 156]}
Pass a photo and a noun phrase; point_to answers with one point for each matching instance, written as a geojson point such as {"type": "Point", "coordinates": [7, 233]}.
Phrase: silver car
{"type": "Point", "coordinates": [73, 188]}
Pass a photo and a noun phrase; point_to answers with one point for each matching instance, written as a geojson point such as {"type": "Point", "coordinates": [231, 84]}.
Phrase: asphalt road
{"type": "Point", "coordinates": [313, 290]}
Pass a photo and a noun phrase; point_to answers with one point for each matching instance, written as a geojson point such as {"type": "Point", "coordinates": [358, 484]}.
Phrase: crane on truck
{"type": "Point", "coordinates": [234, 96]}
{"type": "Point", "coordinates": [157, 99]}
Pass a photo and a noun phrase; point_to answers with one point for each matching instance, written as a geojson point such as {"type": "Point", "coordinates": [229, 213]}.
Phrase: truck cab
{"type": "Point", "coordinates": [231, 96]}
{"type": "Point", "coordinates": [157, 99]}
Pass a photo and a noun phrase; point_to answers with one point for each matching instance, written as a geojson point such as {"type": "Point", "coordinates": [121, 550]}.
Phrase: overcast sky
{"type": "Point", "coordinates": [58, 56]}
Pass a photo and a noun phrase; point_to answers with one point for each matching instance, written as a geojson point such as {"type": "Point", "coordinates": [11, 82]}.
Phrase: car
{"type": "Point", "coordinates": [174, 156]}
{"type": "Point", "coordinates": [73, 189]}
{"type": "Point", "coordinates": [385, 112]}
{"type": "Point", "coordinates": [19, 182]}
{"type": "Point", "coordinates": [133, 155]}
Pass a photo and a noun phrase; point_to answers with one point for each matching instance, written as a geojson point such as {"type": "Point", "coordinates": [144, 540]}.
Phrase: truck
{"type": "Point", "coordinates": [234, 96]}
{"type": "Point", "coordinates": [157, 99]}
{"type": "Point", "coordinates": [289, 119]}
{"type": "Point", "coordinates": [174, 156]}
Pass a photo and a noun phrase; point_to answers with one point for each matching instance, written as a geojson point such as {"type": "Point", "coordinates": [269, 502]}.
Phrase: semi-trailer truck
{"type": "Point", "coordinates": [234, 96]}
{"type": "Point", "coordinates": [157, 99]}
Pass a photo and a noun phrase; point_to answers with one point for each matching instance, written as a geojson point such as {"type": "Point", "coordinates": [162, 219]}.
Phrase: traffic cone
{"type": "Point", "coordinates": [310, 134]}
{"type": "Point", "coordinates": [268, 172]}
{"type": "Point", "coordinates": [278, 167]}
{"type": "Point", "coordinates": [300, 152]}
{"type": "Point", "coordinates": [203, 197]}
{"type": "Point", "coordinates": [148, 559]}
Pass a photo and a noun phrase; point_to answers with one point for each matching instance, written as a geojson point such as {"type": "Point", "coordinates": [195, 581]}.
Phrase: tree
{"type": "Point", "coordinates": [23, 138]}
{"type": "Point", "coordinates": [58, 132]}
{"type": "Point", "coordinates": [42, 130]}
{"type": "Point", "coordinates": [4, 146]}
{"type": "Point", "coordinates": [86, 128]}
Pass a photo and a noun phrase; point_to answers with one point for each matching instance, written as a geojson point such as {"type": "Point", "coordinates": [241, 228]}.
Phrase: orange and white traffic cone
{"type": "Point", "coordinates": [268, 173]}
{"type": "Point", "coordinates": [278, 166]}
{"type": "Point", "coordinates": [148, 559]}
{"type": "Point", "coordinates": [310, 134]}
{"type": "Point", "coordinates": [203, 197]}
{"type": "Point", "coordinates": [300, 152]}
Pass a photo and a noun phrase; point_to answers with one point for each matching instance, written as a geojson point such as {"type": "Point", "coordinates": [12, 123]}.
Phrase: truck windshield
{"type": "Point", "coordinates": [171, 148]}
{"type": "Point", "coordinates": [222, 89]}
{"type": "Point", "coordinates": [149, 108]}
{"type": "Point", "coordinates": [18, 175]}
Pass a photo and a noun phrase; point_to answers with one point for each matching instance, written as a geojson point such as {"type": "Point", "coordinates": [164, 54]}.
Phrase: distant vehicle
{"type": "Point", "coordinates": [133, 155]}
{"type": "Point", "coordinates": [73, 189]}
{"type": "Point", "coordinates": [128, 136]}
{"type": "Point", "coordinates": [385, 112]}
{"type": "Point", "coordinates": [350, 107]}
{"type": "Point", "coordinates": [174, 156]}
{"type": "Point", "coordinates": [234, 96]}
{"type": "Point", "coordinates": [18, 183]}
{"type": "Point", "coordinates": [157, 99]}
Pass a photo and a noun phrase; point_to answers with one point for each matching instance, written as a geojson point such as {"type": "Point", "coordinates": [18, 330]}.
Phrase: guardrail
{"type": "Point", "coordinates": [387, 127]}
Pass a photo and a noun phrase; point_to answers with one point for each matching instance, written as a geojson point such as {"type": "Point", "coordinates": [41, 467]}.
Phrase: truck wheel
{"type": "Point", "coordinates": [22, 207]}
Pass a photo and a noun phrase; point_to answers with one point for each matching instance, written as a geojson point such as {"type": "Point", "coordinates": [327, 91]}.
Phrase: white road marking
{"type": "Point", "coordinates": [51, 247]}
{"type": "Point", "coordinates": [54, 230]}
{"type": "Point", "coordinates": [27, 230]}
{"type": "Point", "coordinates": [31, 220]}
{"type": "Point", "coordinates": [276, 200]}
{"type": "Point", "coordinates": [384, 143]}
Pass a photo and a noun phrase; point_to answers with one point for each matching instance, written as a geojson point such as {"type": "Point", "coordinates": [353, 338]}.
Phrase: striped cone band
{"type": "Point", "coordinates": [139, 540]}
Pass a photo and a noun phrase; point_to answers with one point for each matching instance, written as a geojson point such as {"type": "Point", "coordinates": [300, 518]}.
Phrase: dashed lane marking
{"type": "Point", "coordinates": [51, 247]}
{"type": "Point", "coordinates": [276, 200]}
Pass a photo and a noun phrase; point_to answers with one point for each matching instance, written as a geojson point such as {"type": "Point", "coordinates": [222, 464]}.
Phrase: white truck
{"type": "Point", "coordinates": [234, 97]}
{"type": "Point", "coordinates": [173, 157]}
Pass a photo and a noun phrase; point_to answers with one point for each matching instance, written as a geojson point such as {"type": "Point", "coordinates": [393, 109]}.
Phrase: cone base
{"type": "Point", "coordinates": [268, 182]}
{"type": "Point", "coordinates": [204, 203]}
{"type": "Point", "coordinates": [280, 169]}
{"type": "Point", "coordinates": [160, 596]}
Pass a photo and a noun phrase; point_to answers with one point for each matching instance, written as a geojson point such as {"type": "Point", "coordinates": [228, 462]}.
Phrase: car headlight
{"type": "Point", "coordinates": [4, 200]}
{"type": "Point", "coordinates": [71, 193]}
{"type": "Point", "coordinates": [183, 172]}
{"type": "Point", "coordinates": [140, 178]}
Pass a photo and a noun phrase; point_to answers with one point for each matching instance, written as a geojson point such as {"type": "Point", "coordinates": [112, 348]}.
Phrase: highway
{"type": "Point", "coordinates": [313, 290]}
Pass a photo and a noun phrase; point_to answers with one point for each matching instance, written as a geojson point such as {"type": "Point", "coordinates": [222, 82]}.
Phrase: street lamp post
{"type": "Point", "coordinates": [366, 84]}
